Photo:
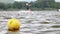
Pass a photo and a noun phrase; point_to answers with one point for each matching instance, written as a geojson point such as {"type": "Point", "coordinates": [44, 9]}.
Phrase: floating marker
{"type": "Point", "coordinates": [13, 25]}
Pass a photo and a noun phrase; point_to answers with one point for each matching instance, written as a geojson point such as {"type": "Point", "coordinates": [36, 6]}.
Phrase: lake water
{"type": "Point", "coordinates": [36, 22]}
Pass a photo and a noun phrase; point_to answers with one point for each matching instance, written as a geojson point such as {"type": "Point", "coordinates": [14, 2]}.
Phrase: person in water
{"type": "Point", "coordinates": [27, 6]}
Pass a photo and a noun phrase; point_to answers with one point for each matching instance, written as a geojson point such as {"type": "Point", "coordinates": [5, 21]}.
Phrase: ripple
{"type": "Point", "coordinates": [41, 22]}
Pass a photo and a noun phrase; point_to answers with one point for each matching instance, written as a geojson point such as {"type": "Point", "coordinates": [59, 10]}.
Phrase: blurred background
{"type": "Point", "coordinates": [35, 4]}
{"type": "Point", "coordinates": [43, 19]}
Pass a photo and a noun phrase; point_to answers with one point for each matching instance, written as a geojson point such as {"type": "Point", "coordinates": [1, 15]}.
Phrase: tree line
{"type": "Point", "coordinates": [39, 4]}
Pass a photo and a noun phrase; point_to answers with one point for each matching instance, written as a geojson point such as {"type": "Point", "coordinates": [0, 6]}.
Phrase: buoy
{"type": "Point", "coordinates": [13, 25]}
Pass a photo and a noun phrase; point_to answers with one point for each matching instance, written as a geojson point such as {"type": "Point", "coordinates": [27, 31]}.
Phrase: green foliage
{"type": "Point", "coordinates": [2, 6]}
{"type": "Point", "coordinates": [40, 4]}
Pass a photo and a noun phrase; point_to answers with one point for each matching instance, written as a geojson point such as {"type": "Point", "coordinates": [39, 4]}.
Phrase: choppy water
{"type": "Point", "coordinates": [41, 22]}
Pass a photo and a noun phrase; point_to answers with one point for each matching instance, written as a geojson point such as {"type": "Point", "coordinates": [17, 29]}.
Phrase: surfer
{"type": "Point", "coordinates": [27, 6]}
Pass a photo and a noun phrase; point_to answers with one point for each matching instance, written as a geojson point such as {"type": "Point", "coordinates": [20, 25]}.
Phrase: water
{"type": "Point", "coordinates": [41, 22]}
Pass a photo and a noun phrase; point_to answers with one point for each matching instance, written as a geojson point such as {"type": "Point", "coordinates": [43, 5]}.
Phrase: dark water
{"type": "Point", "coordinates": [41, 22]}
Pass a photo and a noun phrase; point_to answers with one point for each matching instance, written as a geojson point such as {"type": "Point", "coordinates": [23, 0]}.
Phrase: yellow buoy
{"type": "Point", "coordinates": [13, 25]}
